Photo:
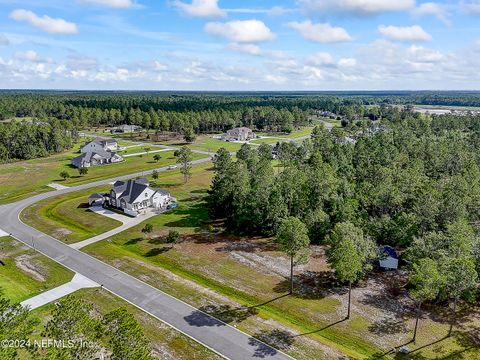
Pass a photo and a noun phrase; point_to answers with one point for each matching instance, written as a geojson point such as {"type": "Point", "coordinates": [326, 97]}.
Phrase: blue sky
{"type": "Point", "coordinates": [240, 45]}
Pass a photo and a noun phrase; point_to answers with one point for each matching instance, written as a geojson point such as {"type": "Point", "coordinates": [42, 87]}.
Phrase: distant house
{"type": "Point", "coordinates": [97, 152]}
{"type": "Point", "coordinates": [100, 143]}
{"type": "Point", "coordinates": [239, 134]}
{"type": "Point", "coordinates": [126, 129]}
{"type": "Point", "coordinates": [133, 196]}
{"type": "Point", "coordinates": [388, 258]}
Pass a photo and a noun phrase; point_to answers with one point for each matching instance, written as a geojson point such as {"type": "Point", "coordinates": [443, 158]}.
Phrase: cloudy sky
{"type": "Point", "coordinates": [240, 44]}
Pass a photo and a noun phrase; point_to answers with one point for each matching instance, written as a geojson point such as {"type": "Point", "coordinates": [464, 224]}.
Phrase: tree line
{"type": "Point", "coordinates": [414, 184]}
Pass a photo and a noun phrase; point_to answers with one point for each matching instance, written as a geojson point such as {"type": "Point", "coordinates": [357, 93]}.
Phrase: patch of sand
{"type": "Point", "coordinates": [27, 264]}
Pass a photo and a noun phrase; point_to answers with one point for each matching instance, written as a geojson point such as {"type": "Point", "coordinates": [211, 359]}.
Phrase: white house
{"type": "Point", "coordinates": [239, 134]}
{"type": "Point", "coordinates": [98, 144]}
{"type": "Point", "coordinates": [97, 152]}
{"type": "Point", "coordinates": [134, 196]}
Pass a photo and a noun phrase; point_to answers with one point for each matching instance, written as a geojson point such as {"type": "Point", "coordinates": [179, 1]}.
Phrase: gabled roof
{"type": "Point", "coordinates": [96, 196]}
{"type": "Point", "coordinates": [97, 154]}
{"type": "Point", "coordinates": [132, 189]}
{"type": "Point", "coordinates": [104, 141]}
{"type": "Point", "coordinates": [388, 251]}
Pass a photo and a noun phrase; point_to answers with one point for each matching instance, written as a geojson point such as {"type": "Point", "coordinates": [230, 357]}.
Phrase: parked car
{"type": "Point", "coordinates": [171, 167]}
{"type": "Point", "coordinates": [172, 206]}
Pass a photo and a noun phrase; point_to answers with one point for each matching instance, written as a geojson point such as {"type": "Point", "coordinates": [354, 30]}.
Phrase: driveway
{"type": "Point", "coordinates": [218, 336]}
{"type": "Point", "coordinates": [128, 222]}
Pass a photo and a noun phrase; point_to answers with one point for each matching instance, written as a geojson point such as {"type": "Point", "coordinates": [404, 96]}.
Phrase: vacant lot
{"type": "Point", "coordinates": [26, 273]}
{"type": "Point", "coordinates": [167, 343]}
{"type": "Point", "coordinates": [244, 281]}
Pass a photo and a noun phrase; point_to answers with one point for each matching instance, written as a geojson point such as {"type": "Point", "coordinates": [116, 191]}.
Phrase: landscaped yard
{"type": "Point", "coordinates": [68, 217]}
{"type": "Point", "coordinates": [244, 281]}
{"type": "Point", "coordinates": [27, 273]}
{"type": "Point", "coordinates": [26, 178]}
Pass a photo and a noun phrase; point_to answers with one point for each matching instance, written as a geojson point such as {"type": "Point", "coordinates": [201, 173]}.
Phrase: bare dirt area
{"type": "Point", "coordinates": [27, 264]}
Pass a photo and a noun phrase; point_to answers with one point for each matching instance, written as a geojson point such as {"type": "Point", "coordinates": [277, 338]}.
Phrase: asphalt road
{"type": "Point", "coordinates": [210, 332]}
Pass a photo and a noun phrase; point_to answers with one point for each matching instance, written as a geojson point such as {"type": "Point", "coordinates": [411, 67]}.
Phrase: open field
{"type": "Point", "coordinates": [248, 278]}
{"type": "Point", "coordinates": [167, 343]}
{"type": "Point", "coordinates": [68, 218]}
{"type": "Point", "coordinates": [26, 273]}
{"type": "Point", "coordinates": [295, 133]}
{"type": "Point", "coordinates": [25, 178]}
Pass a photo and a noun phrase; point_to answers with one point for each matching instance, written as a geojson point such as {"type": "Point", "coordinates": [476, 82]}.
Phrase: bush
{"type": "Point", "coordinates": [172, 237]}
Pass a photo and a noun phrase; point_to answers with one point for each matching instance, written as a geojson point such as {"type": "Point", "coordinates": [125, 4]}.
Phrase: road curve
{"type": "Point", "coordinates": [223, 339]}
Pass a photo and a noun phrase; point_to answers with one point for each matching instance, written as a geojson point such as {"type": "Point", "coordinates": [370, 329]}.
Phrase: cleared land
{"type": "Point", "coordinates": [26, 273]}
{"type": "Point", "coordinates": [26, 178]}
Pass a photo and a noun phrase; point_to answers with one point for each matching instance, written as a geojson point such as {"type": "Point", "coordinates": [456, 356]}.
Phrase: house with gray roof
{"type": "Point", "coordinates": [97, 157]}
{"type": "Point", "coordinates": [97, 152]}
{"type": "Point", "coordinates": [133, 196]}
{"type": "Point", "coordinates": [126, 129]}
{"type": "Point", "coordinates": [239, 134]}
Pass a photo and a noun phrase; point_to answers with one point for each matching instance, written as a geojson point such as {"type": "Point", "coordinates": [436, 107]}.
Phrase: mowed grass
{"type": "Point", "coordinates": [167, 343]}
{"type": "Point", "coordinates": [208, 143]}
{"type": "Point", "coordinates": [26, 178]}
{"type": "Point", "coordinates": [26, 273]}
{"type": "Point", "coordinates": [211, 261]}
{"type": "Point", "coordinates": [68, 218]}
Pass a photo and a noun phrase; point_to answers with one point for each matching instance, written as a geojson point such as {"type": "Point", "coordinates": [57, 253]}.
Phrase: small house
{"type": "Point", "coordinates": [126, 129]}
{"type": "Point", "coordinates": [96, 199]}
{"type": "Point", "coordinates": [388, 258]}
{"type": "Point", "coordinates": [239, 134]}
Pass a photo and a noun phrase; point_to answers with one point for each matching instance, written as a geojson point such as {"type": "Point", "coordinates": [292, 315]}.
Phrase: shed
{"type": "Point", "coordinates": [388, 258]}
{"type": "Point", "coordinates": [96, 199]}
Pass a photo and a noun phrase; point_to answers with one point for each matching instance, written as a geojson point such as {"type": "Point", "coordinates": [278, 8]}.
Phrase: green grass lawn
{"type": "Point", "coordinates": [265, 141]}
{"type": "Point", "coordinates": [26, 178]}
{"type": "Point", "coordinates": [207, 143]}
{"type": "Point", "coordinates": [68, 218]}
{"type": "Point", "coordinates": [26, 273]}
{"type": "Point", "coordinates": [167, 343]}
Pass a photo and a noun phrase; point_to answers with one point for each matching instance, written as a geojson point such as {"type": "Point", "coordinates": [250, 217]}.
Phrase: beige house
{"type": "Point", "coordinates": [239, 134]}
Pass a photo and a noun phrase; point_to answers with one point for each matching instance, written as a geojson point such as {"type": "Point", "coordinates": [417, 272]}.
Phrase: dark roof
{"type": "Point", "coordinates": [96, 196]}
{"type": "Point", "coordinates": [102, 140]}
{"type": "Point", "coordinates": [131, 190]}
{"type": "Point", "coordinates": [389, 251]}
{"type": "Point", "coordinates": [87, 157]}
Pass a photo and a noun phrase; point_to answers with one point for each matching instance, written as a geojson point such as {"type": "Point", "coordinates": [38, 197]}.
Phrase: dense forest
{"type": "Point", "coordinates": [413, 184]}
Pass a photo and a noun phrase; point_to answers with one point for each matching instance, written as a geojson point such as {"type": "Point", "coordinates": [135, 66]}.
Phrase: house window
{"type": "Point", "coordinates": [146, 194]}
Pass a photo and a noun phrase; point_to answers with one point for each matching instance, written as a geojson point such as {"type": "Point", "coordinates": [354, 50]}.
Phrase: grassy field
{"type": "Point", "coordinates": [228, 276]}
{"type": "Point", "coordinates": [26, 178]}
{"type": "Point", "coordinates": [26, 273]}
{"type": "Point", "coordinates": [166, 342]}
{"type": "Point", "coordinates": [68, 218]}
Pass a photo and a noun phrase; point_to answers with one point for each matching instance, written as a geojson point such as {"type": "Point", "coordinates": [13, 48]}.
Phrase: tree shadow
{"type": "Point", "coordinates": [323, 328]}
{"type": "Point", "coordinates": [246, 246]}
{"type": "Point", "coordinates": [229, 314]}
{"type": "Point", "coordinates": [157, 240]}
{"type": "Point", "coordinates": [268, 341]}
{"type": "Point", "coordinates": [158, 251]}
{"type": "Point", "coordinates": [134, 241]}
{"type": "Point", "coordinates": [312, 285]}
{"type": "Point", "coordinates": [200, 319]}
{"type": "Point", "coordinates": [270, 301]}
{"type": "Point", "coordinates": [83, 206]}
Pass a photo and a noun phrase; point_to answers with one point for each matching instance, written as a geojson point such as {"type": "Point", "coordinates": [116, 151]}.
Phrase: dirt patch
{"type": "Point", "coordinates": [27, 264]}
{"type": "Point", "coordinates": [61, 232]}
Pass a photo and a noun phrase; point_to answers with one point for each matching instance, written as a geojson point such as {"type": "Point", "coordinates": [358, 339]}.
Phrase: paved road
{"type": "Point", "coordinates": [212, 333]}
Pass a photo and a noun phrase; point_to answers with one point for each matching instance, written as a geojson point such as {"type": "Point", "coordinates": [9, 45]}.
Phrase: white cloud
{"type": "Point", "coordinates": [431, 8]}
{"type": "Point", "coordinates": [322, 32]}
{"type": "Point", "coordinates": [358, 6]}
{"type": "Point", "coordinates": [45, 23]}
{"type": "Point", "coordinates": [321, 58]}
{"type": "Point", "coordinates": [419, 54]}
{"type": "Point", "coordinates": [347, 62]}
{"type": "Point", "coordinates": [200, 8]}
{"type": "Point", "coordinates": [28, 55]}
{"type": "Point", "coordinates": [241, 31]}
{"type": "Point", "coordinates": [251, 49]}
{"type": "Point", "coordinates": [159, 66]}
{"type": "Point", "coordinates": [472, 6]}
{"type": "Point", "coordinates": [122, 4]}
{"type": "Point", "coordinates": [4, 40]}
{"type": "Point", "coordinates": [407, 33]}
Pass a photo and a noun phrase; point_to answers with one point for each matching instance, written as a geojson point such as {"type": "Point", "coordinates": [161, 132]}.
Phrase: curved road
{"type": "Point", "coordinates": [223, 339]}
